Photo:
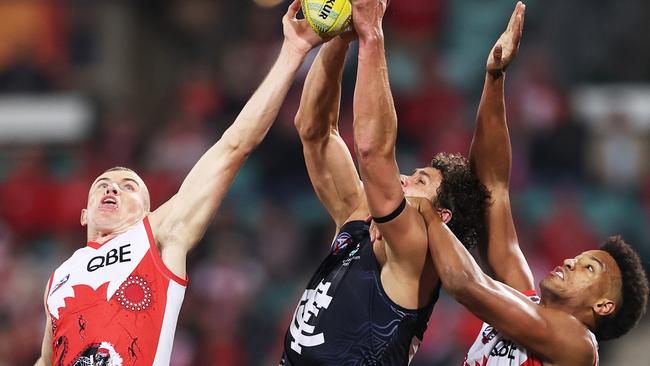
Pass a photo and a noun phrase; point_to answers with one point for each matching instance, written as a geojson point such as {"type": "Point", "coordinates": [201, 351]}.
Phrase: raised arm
{"type": "Point", "coordinates": [182, 221]}
{"type": "Point", "coordinates": [557, 337]}
{"type": "Point", "coordinates": [375, 131]}
{"type": "Point", "coordinates": [491, 156]}
{"type": "Point", "coordinates": [329, 164]}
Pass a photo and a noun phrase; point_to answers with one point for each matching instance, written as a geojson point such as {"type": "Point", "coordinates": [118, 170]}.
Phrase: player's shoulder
{"type": "Point", "coordinates": [586, 351]}
{"type": "Point", "coordinates": [576, 343]}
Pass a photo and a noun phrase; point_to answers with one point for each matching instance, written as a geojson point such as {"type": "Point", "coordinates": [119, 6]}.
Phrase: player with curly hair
{"type": "Point", "coordinates": [369, 301]}
{"type": "Point", "coordinates": [598, 295]}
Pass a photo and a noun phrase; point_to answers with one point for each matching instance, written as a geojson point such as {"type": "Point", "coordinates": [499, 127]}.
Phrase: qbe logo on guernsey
{"type": "Point", "coordinates": [311, 304]}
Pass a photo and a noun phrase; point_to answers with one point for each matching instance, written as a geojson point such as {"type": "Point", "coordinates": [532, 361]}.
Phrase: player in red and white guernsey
{"type": "Point", "coordinates": [598, 295]}
{"type": "Point", "coordinates": [116, 300]}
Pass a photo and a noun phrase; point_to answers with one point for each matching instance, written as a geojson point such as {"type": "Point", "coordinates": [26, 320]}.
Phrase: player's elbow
{"type": "Point", "coordinates": [310, 131]}
{"type": "Point", "coordinates": [457, 283]}
{"type": "Point", "coordinates": [370, 145]}
{"type": "Point", "coordinates": [368, 150]}
{"type": "Point", "coordinates": [243, 150]}
{"type": "Point", "coordinates": [236, 146]}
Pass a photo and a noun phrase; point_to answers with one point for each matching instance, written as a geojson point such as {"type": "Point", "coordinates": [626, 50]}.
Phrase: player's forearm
{"type": "Point", "coordinates": [490, 152]}
{"type": "Point", "coordinates": [255, 119]}
{"type": "Point", "coordinates": [375, 121]}
{"type": "Point", "coordinates": [491, 156]}
{"type": "Point", "coordinates": [321, 95]}
{"type": "Point", "coordinates": [375, 129]}
{"type": "Point", "coordinates": [457, 269]}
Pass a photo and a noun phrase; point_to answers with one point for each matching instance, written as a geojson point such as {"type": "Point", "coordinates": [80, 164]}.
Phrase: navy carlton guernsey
{"type": "Point", "coordinates": [344, 316]}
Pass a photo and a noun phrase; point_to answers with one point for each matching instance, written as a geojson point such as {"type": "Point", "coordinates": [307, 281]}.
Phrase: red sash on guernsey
{"type": "Point", "coordinates": [115, 303]}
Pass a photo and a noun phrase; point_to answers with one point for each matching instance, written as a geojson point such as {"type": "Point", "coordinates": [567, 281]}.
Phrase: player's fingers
{"type": "Point", "coordinates": [293, 9]}
{"type": "Point", "coordinates": [519, 25]}
{"type": "Point", "coordinates": [516, 37]}
{"type": "Point", "coordinates": [523, 18]}
{"type": "Point", "coordinates": [513, 15]}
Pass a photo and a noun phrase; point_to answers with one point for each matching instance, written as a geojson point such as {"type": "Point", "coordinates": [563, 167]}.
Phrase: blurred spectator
{"type": "Point", "coordinates": [32, 42]}
{"type": "Point", "coordinates": [618, 153]}
{"type": "Point", "coordinates": [564, 232]}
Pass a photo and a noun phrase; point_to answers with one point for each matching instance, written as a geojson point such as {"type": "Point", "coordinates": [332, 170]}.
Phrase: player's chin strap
{"type": "Point", "coordinates": [392, 215]}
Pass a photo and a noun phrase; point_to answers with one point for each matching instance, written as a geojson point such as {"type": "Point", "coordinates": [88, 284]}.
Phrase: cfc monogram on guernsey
{"type": "Point", "coordinates": [115, 304]}
{"type": "Point", "coordinates": [345, 318]}
{"type": "Point", "coordinates": [491, 348]}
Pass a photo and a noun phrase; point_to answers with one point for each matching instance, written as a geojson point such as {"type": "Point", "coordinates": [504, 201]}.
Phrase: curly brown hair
{"type": "Point", "coordinates": [462, 193]}
{"type": "Point", "coordinates": [634, 284]}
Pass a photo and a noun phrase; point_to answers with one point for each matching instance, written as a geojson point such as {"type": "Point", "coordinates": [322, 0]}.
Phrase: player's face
{"type": "Point", "coordinates": [424, 182]}
{"type": "Point", "coordinates": [584, 280]}
{"type": "Point", "coordinates": [117, 199]}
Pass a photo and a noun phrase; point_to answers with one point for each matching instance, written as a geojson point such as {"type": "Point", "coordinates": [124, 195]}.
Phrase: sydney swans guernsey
{"type": "Point", "coordinates": [115, 303]}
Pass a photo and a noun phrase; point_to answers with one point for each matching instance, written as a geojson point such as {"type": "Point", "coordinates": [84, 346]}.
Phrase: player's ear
{"type": "Point", "coordinates": [445, 215]}
{"type": "Point", "coordinates": [604, 307]}
{"type": "Point", "coordinates": [84, 217]}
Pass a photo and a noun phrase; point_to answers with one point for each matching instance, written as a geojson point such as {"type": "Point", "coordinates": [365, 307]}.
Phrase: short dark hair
{"type": "Point", "coordinates": [634, 289]}
{"type": "Point", "coordinates": [462, 193]}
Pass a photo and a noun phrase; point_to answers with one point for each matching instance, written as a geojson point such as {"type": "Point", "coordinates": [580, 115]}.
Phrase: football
{"type": "Point", "coordinates": [327, 17]}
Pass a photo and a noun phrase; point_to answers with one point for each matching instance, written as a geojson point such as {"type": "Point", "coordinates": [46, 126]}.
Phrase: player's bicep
{"type": "Point", "coordinates": [504, 253]}
{"type": "Point", "coordinates": [335, 179]}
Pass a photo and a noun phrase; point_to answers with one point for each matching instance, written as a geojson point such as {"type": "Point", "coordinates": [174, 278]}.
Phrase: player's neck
{"type": "Point", "coordinates": [100, 236]}
{"type": "Point", "coordinates": [583, 314]}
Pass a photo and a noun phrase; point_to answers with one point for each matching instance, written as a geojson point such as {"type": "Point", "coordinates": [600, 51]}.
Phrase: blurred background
{"type": "Point", "coordinates": [151, 84]}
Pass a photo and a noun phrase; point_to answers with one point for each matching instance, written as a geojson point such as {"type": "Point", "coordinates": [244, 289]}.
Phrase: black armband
{"type": "Point", "coordinates": [392, 215]}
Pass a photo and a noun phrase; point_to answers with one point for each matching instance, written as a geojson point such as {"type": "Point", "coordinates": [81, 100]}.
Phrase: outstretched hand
{"type": "Point", "coordinates": [367, 17]}
{"type": "Point", "coordinates": [507, 45]}
{"type": "Point", "coordinates": [297, 32]}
